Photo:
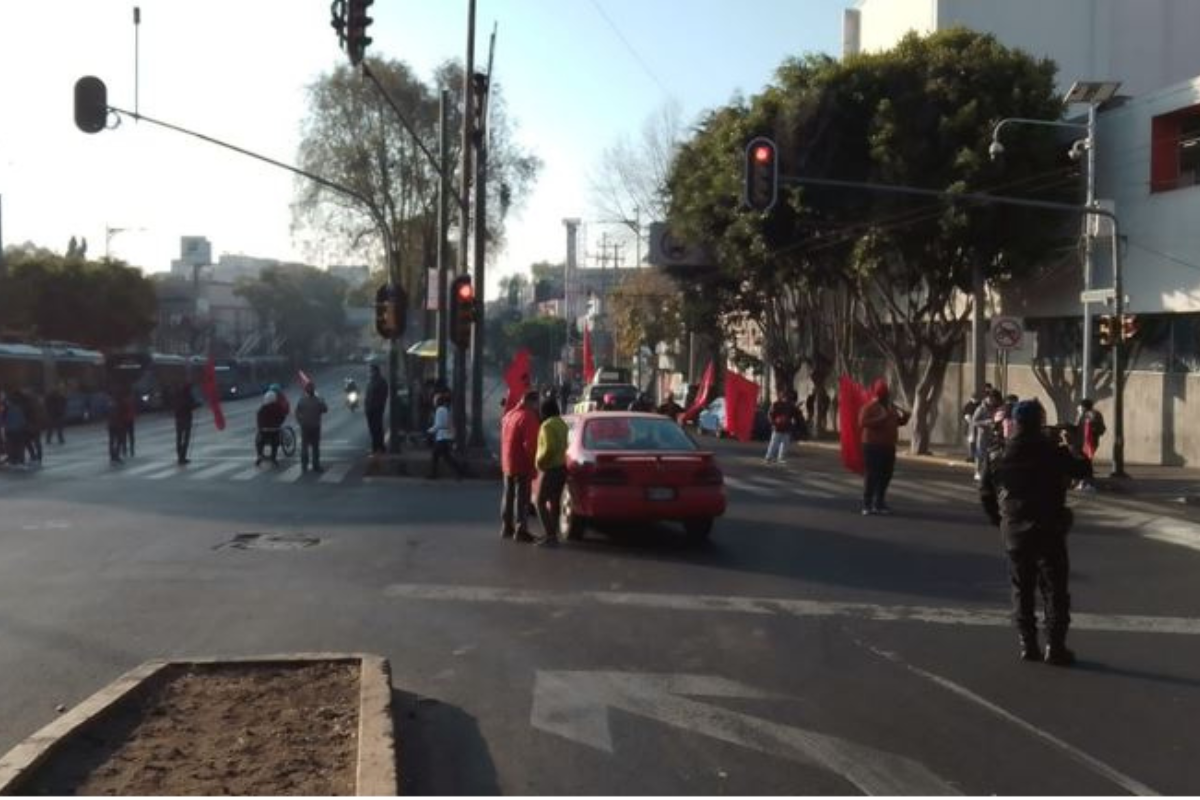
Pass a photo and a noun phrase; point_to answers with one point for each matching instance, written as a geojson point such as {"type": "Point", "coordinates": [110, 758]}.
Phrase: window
{"type": "Point", "coordinates": [1175, 150]}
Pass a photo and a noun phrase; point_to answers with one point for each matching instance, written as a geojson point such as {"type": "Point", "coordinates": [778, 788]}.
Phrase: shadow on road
{"type": "Point", "coordinates": [440, 749]}
{"type": "Point", "coordinates": [1099, 668]}
{"type": "Point", "coordinates": [819, 556]}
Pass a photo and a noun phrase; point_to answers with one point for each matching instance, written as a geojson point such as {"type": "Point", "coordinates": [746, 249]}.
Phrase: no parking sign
{"type": "Point", "coordinates": [1007, 332]}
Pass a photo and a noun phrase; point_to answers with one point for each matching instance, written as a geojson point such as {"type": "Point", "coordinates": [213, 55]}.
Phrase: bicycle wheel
{"type": "Point", "coordinates": [287, 440]}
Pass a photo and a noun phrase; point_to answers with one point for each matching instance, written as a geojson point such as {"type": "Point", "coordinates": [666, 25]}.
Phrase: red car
{"type": "Point", "coordinates": [631, 467]}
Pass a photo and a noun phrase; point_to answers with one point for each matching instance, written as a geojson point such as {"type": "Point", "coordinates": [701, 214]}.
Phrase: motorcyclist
{"type": "Point", "coordinates": [351, 390]}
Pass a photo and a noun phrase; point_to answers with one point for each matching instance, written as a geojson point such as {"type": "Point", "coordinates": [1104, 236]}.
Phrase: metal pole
{"type": "Point", "coordinates": [1118, 457]}
{"type": "Point", "coordinates": [460, 355]}
{"type": "Point", "coordinates": [1089, 251]}
{"type": "Point", "coordinates": [978, 341]}
{"type": "Point", "coordinates": [477, 342]}
{"type": "Point", "coordinates": [443, 222]}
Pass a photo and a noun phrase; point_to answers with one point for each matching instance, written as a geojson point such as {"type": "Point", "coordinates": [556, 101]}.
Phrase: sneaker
{"type": "Point", "coordinates": [883, 511]}
{"type": "Point", "coordinates": [978, 477]}
{"type": "Point", "coordinates": [547, 541]}
{"type": "Point", "coordinates": [868, 512]}
{"type": "Point", "coordinates": [1059, 655]}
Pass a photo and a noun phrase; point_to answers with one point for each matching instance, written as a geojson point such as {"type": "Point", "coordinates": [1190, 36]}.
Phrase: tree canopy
{"type": "Point", "coordinates": [299, 304]}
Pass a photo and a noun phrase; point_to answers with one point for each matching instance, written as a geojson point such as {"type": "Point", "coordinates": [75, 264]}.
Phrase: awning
{"type": "Point", "coordinates": [427, 348]}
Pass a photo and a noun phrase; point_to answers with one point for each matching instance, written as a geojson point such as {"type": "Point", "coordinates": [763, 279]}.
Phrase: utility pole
{"type": "Point", "coordinates": [477, 343]}
{"type": "Point", "coordinates": [1089, 252]}
{"type": "Point", "coordinates": [460, 355]}
{"type": "Point", "coordinates": [443, 222]}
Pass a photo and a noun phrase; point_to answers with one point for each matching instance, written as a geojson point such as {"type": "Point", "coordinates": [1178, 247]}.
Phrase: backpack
{"type": "Point", "coordinates": [1098, 427]}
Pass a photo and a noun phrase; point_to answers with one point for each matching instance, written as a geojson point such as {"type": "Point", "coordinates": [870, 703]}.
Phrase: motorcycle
{"type": "Point", "coordinates": [352, 400]}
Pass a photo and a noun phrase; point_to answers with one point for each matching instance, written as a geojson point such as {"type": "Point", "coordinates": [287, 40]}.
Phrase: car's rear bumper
{"type": "Point", "coordinates": [632, 503]}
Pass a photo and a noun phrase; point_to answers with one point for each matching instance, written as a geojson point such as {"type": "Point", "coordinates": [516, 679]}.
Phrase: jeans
{"type": "Point", "coordinates": [880, 462]}
{"type": "Point", "coordinates": [515, 505]}
{"type": "Point", "coordinates": [549, 499]}
{"type": "Point", "coordinates": [777, 447]}
{"type": "Point", "coordinates": [310, 439]}
{"type": "Point", "coordinates": [1041, 561]}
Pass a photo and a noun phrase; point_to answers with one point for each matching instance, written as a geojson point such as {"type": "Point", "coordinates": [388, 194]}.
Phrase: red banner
{"type": "Point", "coordinates": [516, 377]}
{"type": "Point", "coordinates": [212, 394]}
{"type": "Point", "coordinates": [741, 401]}
{"type": "Point", "coordinates": [851, 399]}
{"type": "Point", "coordinates": [302, 376]}
{"type": "Point", "coordinates": [701, 400]}
{"type": "Point", "coordinates": [589, 364]}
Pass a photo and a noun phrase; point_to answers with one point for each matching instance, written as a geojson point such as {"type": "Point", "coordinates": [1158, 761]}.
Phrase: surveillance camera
{"type": "Point", "coordinates": [995, 150]}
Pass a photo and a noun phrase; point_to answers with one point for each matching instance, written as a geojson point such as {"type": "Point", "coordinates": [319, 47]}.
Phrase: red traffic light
{"type": "Point", "coordinates": [466, 292]}
{"type": "Point", "coordinates": [763, 154]}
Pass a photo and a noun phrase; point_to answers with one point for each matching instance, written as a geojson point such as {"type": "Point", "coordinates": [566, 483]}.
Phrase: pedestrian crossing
{"type": "Point", "coordinates": [782, 484]}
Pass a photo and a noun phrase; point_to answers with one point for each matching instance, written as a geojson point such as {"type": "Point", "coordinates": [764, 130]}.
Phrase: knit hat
{"type": "Point", "coordinates": [1027, 413]}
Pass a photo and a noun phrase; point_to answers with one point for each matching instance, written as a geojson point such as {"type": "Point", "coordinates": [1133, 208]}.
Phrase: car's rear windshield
{"type": "Point", "coordinates": [635, 433]}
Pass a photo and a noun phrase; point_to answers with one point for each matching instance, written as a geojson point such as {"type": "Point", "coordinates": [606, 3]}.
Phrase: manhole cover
{"type": "Point", "coordinates": [269, 541]}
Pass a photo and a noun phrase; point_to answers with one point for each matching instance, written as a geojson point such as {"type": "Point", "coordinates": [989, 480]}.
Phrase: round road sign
{"type": "Point", "coordinates": [1007, 332]}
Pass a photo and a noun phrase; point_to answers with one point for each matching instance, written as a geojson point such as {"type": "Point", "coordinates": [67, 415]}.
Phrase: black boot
{"type": "Point", "coordinates": [1030, 651]}
{"type": "Point", "coordinates": [1057, 652]}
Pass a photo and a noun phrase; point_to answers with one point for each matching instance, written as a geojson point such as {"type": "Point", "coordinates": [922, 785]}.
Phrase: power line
{"type": "Point", "coordinates": [637, 57]}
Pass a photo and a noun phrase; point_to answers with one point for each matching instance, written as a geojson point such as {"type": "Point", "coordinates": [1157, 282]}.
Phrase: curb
{"type": "Point", "coordinates": [375, 772]}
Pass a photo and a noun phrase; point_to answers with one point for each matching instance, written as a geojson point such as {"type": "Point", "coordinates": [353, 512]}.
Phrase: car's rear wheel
{"type": "Point", "coordinates": [570, 525]}
{"type": "Point", "coordinates": [698, 530]}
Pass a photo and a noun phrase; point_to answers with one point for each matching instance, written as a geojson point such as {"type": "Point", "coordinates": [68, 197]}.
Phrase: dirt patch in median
{"type": "Point", "coordinates": [222, 729]}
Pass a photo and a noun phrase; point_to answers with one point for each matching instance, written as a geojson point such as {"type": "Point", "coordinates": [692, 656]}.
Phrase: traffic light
{"type": "Point", "coordinates": [1104, 330]}
{"type": "Point", "coordinates": [357, 23]}
{"type": "Point", "coordinates": [91, 104]}
{"type": "Point", "coordinates": [462, 311]}
{"type": "Point", "coordinates": [1129, 327]}
{"type": "Point", "coordinates": [390, 305]}
{"type": "Point", "coordinates": [762, 174]}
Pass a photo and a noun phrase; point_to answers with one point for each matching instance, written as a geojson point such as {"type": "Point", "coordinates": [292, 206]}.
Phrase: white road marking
{"type": "Point", "coordinates": [575, 705]}
{"type": "Point", "coordinates": [336, 473]}
{"type": "Point", "coordinates": [745, 486]}
{"type": "Point", "coordinates": [140, 469]}
{"type": "Point", "coordinates": [170, 472]}
{"type": "Point", "coordinates": [248, 475]}
{"type": "Point", "coordinates": [213, 470]}
{"type": "Point", "coordinates": [1131, 785]}
{"type": "Point", "coordinates": [773, 606]}
{"type": "Point", "coordinates": [291, 474]}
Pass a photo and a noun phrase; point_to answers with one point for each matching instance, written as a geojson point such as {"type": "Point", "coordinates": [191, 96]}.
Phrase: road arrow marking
{"type": "Point", "coordinates": [575, 705]}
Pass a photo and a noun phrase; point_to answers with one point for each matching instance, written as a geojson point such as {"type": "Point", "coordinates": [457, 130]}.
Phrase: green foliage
{"type": "Point", "coordinates": [645, 309]}
{"type": "Point", "coordinates": [299, 303]}
{"type": "Point", "coordinates": [102, 305]}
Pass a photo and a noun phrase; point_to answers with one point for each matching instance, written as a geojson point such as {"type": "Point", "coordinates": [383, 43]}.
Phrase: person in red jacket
{"type": "Point", "coordinates": [518, 449]}
{"type": "Point", "coordinates": [879, 421]}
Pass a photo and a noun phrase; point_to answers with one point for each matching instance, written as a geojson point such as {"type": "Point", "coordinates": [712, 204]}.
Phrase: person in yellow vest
{"type": "Point", "coordinates": [551, 461]}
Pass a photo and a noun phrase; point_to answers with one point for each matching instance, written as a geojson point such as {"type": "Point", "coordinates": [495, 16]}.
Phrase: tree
{"type": "Point", "coordinates": [513, 288]}
{"type": "Point", "coordinates": [645, 310]}
{"type": "Point", "coordinates": [352, 137]}
{"type": "Point", "coordinates": [300, 304]}
{"type": "Point", "coordinates": [104, 305]}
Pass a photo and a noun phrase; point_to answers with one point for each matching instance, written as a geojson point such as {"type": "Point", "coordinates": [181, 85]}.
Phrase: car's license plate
{"type": "Point", "coordinates": [660, 493]}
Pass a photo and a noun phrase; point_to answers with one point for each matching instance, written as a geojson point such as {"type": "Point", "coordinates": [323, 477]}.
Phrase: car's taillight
{"type": "Point", "coordinates": [710, 476]}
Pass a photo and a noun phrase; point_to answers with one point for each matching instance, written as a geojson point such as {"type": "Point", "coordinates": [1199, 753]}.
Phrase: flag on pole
{"type": "Point", "coordinates": [302, 376]}
{"type": "Point", "coordinates": [516, 377]}
{"type": "Point", "coordinates": [211, 394]}
{"type": "Point", "coordinates": [589, 364]}
{"type": "Point", "coordinates": [741, 401]}
{"type": "Point", "coordinates": [706, 382]}
{"type": "Point", "coordinates": [851, 399]}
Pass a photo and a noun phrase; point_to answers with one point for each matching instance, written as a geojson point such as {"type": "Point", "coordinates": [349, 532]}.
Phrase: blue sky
{"type": "Point", "coordinates": [237, 69]}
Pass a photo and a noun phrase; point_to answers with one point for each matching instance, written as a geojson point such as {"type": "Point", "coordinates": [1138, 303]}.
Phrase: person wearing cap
{"type": "Point", "coordinates": [880, 421]}
{"type": "Point", "coordinates": [1023, 489]}
{"type": "Point", "coordinates": [518, 453]}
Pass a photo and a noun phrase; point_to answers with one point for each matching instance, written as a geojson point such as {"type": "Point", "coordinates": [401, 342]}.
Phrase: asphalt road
{"type": "Point", "coordinates": [806, 650]}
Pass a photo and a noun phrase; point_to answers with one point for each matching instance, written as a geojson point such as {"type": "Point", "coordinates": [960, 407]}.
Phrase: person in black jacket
{"type": "Point", "coordinates": [375, 405]}
{"type": "Point", "coordinates": [1023, 487]}
{"type": "Point", "coordinates": [183, 403]}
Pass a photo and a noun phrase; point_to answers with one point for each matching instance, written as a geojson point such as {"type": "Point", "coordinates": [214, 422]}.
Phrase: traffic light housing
{"type": "Point", "coordinates": [462, 311]}
{"type": "Point", "coordinates": [1104, 330]}
{"type": "Point", "coordinates": [762, 174]}
{"type": "Point", "coordinates": [1129, 327]}
{"type": "Point", "coordinates": [357, 23]}
{"type": "Point", "coordinates": [389, 311]}
{"type": "Point", "coordinates": [91, 104]}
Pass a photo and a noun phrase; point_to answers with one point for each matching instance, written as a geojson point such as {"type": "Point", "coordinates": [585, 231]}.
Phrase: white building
{"type": "Point", "coordinates": [1147, 164]}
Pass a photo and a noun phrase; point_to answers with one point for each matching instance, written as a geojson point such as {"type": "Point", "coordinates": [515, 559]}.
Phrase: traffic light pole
{"type": "Point", "coordinates": [481, 91]}
{"type": "Point", "coordinates": [460, 355]}
{"type": "Point", "coordinates": [443, 222]}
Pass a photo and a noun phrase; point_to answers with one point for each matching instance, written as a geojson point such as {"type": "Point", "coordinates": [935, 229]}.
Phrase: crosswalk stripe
{"type": "Point", "coordinates": [215, 470]}
{"type": "Point", "coordinates": [337, 472]}
{"type": "Point", "coordinates": [141, 469]}
{"type": "Point", "coordinates": [174, 469]}
{"type": "Point", "coordinates": [291, 474]}
{"type": "Point", "coordinates": [247, 475]}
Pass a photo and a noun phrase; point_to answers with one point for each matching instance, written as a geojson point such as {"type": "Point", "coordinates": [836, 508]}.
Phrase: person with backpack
{"type": "Point", "coordinates": [1091, 428]}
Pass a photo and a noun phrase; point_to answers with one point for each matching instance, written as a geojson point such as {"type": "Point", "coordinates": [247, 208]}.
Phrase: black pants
{"type": "Point", "coordinates": [880, 462]}
{"type": "Point", "coordinates": [444, 450]}
{"type": "Point", "coordinates": [183, 438]}
{"type": "Point", "coordinates": [116, 441]}
{"type": "Point", "coordinates": [1040, 561]}
{"type": "Point", "coordinates": [375, 426]}
{"type": "Point", "coordinates": [310, 440]}
{"type": "Point", "coordinates": [267, 438]}
{"type": "Point", "coordinates": [33, 445]}
{"type": "Point", "coordinates": [56, 428]}
{"type": "Point", "coordinates": [549, 499]}
{"type": "Point", "coordinates": [14, 441]}
{"type": "Point", "coordinates": [515, 506]}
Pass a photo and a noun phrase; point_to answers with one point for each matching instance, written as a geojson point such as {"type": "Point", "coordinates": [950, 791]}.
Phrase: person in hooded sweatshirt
{"type": "Point", "coordinates": [880, 422]}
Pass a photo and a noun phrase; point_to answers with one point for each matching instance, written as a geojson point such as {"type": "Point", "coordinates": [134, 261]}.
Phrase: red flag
{"type": "Point", "coordinates": [741, 401]}
{"type": "Point", "coordinates": [304, 379]}
{"type": "Point", "coordinates": [516, 377]}
{"type": "Point", "coordinates": [209, 387]}
{"type": "Point", "coordinates": [589, 365]}
{"type": "Point", "coordinates": [851, 399]}
{"type": "Point", "coordinates": [701, 400]}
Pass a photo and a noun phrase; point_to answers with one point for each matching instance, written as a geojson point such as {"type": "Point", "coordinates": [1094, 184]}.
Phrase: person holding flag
{"type": "Point", "coordinates": [880, 421]}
